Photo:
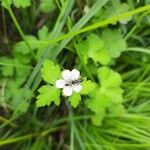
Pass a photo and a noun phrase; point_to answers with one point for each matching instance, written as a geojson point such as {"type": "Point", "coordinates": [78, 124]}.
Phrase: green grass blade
{"type": "Point", "coordinates": [99, 24]}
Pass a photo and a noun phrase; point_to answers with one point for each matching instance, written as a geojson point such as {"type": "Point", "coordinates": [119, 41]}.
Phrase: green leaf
{"type": "Point", "coordinates": [21, 47]}
{"type": "Point", "coordinates": [50, 72]}
{"type": "Point", "coordinates": [97, 101]}
{"type": "Point", "coordinates": [123, 8]}
{"type": "Point", "coordinates": [43, 33]}
{"type": "Point", "coordinates": [93, 47]}
{"type": "Point", "coordinates": [96, 49]}
{"type": "Point", "coordinates": [6, 3]}
{"type": "Point", "coordinates": [117, 110]}
{"type": "Point", "coordinates": [21, 71]}
{"type": "Point", "coordinates": [108, 77]}
{"type": "Point", "coordinates": [13, 90]}
{"type": "Point", "coordinates": [92, 67]}
{"type": "Point", "coordinates": [7, 70]}
{"type": "Point", "coordinates": [14, 66]}
{"type": "Point", "coordinates": [101, 48]}
{"type": "Point", "coordinates": [23, 59]}
{"type": "Point", "coordinates": [74, 99]}
{"type": "Point", "coordinates": [82, 51]}
{"type": "Point", "coordinates": [22, 106]}
{"type": "Point", "coordinates": [113, 42]}
{"type": "Point", "coordinates": [21, 3]}
{"type": "Point", "coordinates": [88, 87]}
{"type": "Point", "coordinates": [109, 93]}
{"type": "Point", "coordinates": [47, 5]}
{"type": "Point", "coordinates": [95, 43]}
{"type": "Point", "coordinates": [112, 94]}
{"type": "Point", "coordinates": [98, 118]}
{"type": "Point", "coordinates": [110, 84]}
{"type": "Point", "coordinates": [17, 3]}
{"type": "Point", "coordinates": [48, 94]}
{"type": "Point", "coordinates": [115, 8]}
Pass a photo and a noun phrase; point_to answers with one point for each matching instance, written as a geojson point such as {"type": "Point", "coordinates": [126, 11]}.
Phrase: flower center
{"type": "Point", "coordinates": [73, 82]}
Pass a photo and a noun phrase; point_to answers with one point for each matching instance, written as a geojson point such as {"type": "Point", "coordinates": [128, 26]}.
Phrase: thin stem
{"type": "Point", "coordinates": [2, 99]}
{"type": "Point", "coordinates": [137, 49]}
{"type": "Point", "coordinates": [2, 119]}
{"type": "Point", "coordinates": [19, 29]}
{"type": "Point", "coordinates": [29, 136]}
{"type": "Point", "coordinates": [17, 139]}
{"type": "Point", "coordinates": [4, 22]}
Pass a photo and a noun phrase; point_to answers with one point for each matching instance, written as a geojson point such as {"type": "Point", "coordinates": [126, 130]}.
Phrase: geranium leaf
{"type": "Point", "coordinates": [48, 94]}
{"type": "Point", "coordinates": [74, 99]}
{"type": "Point", "coordinates": [113, 42]}
{"type": "Point", "coordinates": [109, 93]}
{"type": "Point", "coordinates": [50, 71]}
{"type": "Point", "coordinates": [88, 87]}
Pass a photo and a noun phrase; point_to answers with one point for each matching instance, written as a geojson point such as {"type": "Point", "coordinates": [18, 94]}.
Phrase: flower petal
{"type": "Point", "coordinates": [60, 83]}
{"type": "Point", "coordinates": [75, 74]}
{"type": "Point", "coordinates": [77, 88]}
{"type": "Point", "coordinates": [66, 74]}
{"type": "Point", "coordinates": [67, 91]}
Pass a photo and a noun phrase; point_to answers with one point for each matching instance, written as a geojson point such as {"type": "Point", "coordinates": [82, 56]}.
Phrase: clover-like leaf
{"type": "Point", "coordinates": [21, 3]}
{"type": "Point", "coordinates": [6, 3]}
{"type": "Point", "coordinates": [98, 118]}
{"type": "Point", "coordinates": [97, 101]}
{"type": "Point", "coordinates": [12, 92]}
{"type": "Point", "coordinates": [116, 8]}
{"type": "Point", "coordinates": [43, 33]}
{"type": "Point", "coordinates": [114, 42]}
{"type": "Point", "coordinates": [6, 69]}
{"type": "Point", "coordinates": [112, 94]}
{"type": "Point", "coordinates": [96, 50]}
{"type": "Point", "coordinates": [22, 48]}
{"type": "Point", "coordinates": [74, 99]}
{"type": "Point", "coordinates": [108, 77]}
{"type": "Point", "coordinates": [21, 69]}
{"type": "Point", "coordinates": [48, 94]}
{"type": "Point", "coordinates": [109, 93]}
{"type": "Point", "coordinates": [50, 71]}
{"type": "Point", "coordinates": [88, 87]}
{"type": "Point", "coordinates": [47, 5]}
{"type": "Point", "coordinates": [124, 7]}
{"type": "Point", "coordinates": [82, 51]}
{"type": "Point", "coordinates": [93, 47]}
{"type": "Point", "coordinates": [110, 84]}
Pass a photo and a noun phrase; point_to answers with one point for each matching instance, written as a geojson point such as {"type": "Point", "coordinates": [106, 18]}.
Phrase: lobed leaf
{"type": "Point", "coordinates": [98, 118]}
{"type": "Point", "coordinates": [88, 87]}
{"type": "Point", "coordinates": [47, 95]}
{"type": "Point", "coordinates": [109, 93]}
{"type": "Point", "coordinates": [47, 5]}
{"type": "Point", "coordinates": [50, 72]}
{"type": "Point", "coordinates": [113, 42]}
{"type": "Point", "coordinates": [74, 99]}
{"type": "Point", "coordinates": [108, 77]}
{"type": "Point", "coordinates": [22, 3]}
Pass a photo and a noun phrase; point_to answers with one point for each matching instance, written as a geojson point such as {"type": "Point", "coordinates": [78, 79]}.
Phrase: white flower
{"type": "Point", "coordinates": [70, 82]}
